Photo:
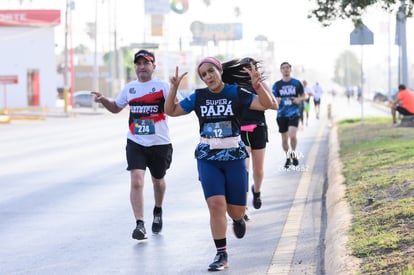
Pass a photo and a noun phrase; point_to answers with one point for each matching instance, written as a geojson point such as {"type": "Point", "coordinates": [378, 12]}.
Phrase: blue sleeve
{"type": "Point", "coordinates": [275, 92]}
{"type": "Point", "coordinates": [188, 103]}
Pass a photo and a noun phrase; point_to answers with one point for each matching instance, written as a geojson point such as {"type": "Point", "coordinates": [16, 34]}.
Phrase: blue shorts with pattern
{"type": "Point", "coordinates": [227, 178]}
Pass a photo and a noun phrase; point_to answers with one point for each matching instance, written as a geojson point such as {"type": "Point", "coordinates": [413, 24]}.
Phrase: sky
{"type": "Point", "coordinates": [303, 42]}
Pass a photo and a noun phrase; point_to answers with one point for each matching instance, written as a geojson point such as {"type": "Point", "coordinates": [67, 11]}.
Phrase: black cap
{"type": "Point", "coordinates": [145, 54]}
{"type": "Point", "coordinates": [401, 87]}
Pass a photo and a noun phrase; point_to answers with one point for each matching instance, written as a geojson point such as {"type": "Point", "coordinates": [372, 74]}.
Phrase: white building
{"type": "Point", "coordinates": [27, 52]}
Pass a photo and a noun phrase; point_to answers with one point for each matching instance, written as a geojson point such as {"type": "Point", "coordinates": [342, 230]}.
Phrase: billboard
{"type": "Point", "coordinates": [156, 6]}
{"type": "Point", "coordinates": [216, 32]}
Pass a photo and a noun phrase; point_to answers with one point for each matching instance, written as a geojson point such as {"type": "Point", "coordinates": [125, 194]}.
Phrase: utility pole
{"type": "Point", "coordinates": [389, 59]}
{"type": "Point", "coordinates": [68, 85]}
{"type": "Point", "coordinates": [95, 57]}
{"type": "Point", "coordinates": [402, 43]}
{"type": "Point", "coordinates": [65, 73]}
{"type": "Point", "coordinates": [115, 65]}
{"type": "Point", "coordinates": [110, 51]}
{"type": "Point", "coordinates": [113, 51]}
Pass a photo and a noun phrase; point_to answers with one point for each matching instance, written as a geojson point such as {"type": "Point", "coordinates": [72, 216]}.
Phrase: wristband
{"type": "Point", "coordinates": [258, 86]}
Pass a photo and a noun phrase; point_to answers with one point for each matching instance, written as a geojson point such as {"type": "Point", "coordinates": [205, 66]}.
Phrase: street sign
{"type": "Point", "coordinates": [8, 79]}
{"type": "Point", "coordinates": [361, 35]}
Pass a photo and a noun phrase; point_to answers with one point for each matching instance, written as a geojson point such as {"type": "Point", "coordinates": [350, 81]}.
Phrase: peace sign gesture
{"type": "Point", "coordinates": [255, 76]}
{"type": "Point", "coordinates": [176, 79]}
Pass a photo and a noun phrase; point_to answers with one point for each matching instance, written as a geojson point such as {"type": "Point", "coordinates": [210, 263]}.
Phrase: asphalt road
{"type": "Point", "coordinates": [64, 201]}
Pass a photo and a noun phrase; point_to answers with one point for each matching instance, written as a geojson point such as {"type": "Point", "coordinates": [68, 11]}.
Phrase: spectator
{"type": "Point", "coordinates": [404, 103]}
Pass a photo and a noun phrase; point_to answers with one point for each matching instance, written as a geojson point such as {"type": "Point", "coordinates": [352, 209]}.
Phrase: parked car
{"type": "Point", "coordinates": [380, 97]}
{"type": "Point", "coordinates": [84, 99]}
{"type": "Point", "coordinates": [385, 97]}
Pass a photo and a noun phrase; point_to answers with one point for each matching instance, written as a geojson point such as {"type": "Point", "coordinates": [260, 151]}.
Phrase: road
{"type": "Point", "coordinates": [64, 202]}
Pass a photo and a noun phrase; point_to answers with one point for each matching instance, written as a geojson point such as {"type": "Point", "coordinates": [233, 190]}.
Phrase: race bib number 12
{"type": "Point", "coordinates": [217, 129]}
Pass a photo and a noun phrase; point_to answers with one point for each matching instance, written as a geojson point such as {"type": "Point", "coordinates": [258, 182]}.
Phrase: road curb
{"type": "Point", "coordinates": [338, 258]}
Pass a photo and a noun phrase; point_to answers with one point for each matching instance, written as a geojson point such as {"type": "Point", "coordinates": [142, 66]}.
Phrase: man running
{"type": "Point", "coordinates": [289, 94]}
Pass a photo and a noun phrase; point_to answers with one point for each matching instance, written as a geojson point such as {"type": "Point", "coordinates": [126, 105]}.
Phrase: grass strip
{"type": "Point", "coordinates": [379, 175]}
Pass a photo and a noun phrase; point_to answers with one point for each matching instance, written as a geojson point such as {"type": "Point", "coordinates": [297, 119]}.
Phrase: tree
{"type": "Point", "coordinates": [81, 49]}
{"type": "Point", "coordinates": [327, 11]}
{"type": "Point", "coordinates": [347, 70]}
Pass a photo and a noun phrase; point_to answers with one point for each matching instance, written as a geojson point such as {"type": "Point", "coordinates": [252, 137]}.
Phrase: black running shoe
{"type": "Point", "coordinates": [257, 201]}
{"type": "Point", "coordinates": [295, 161]}
{"type": "Point", "coordinates": [157, 222]}
{"type": "Point", "coordinates": [239, 228]}
{"type": "Point", "coordinates": [246, 215]}
{"type": "Point", "coordinates": [139, 232]}
{"type": "Point", "coordinates": [219, 263]}
{"type": "Point", "coordinates": [288, 163]}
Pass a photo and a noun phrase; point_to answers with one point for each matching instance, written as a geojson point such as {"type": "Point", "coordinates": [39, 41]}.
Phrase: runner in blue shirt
{"type": "Point", "coordinates": [289, 94]}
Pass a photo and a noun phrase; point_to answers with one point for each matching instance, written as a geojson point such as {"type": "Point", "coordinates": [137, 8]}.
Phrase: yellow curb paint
{"type": "Point", "coordinates": [285, 250]}
{"type": "Point", "coordinates": [4, 119]}
{"type": "Point", "coordinates": [27, 118]}
{"type": "Point", "coordinates": [30, 108]}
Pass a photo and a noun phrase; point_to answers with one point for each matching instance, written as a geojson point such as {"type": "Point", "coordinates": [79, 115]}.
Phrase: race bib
{"type": "Point", "coordinates": [288, 101]}
{"type": "Point", "coordinates": [218, 129]}
{"type": "Point", "coordinates": [144, 127]}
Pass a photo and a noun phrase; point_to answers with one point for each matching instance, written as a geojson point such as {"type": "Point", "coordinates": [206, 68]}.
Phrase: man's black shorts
{"type": "Point", "coordinates": [157, 158]}
{"type": "Point", "coordinates": [285, 122]}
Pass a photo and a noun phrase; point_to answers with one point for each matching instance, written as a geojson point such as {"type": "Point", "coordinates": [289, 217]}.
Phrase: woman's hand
{"type": "Point", "coordinates": [176, 79]}
{"type": "Point", "coordinates": [255, 76]}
